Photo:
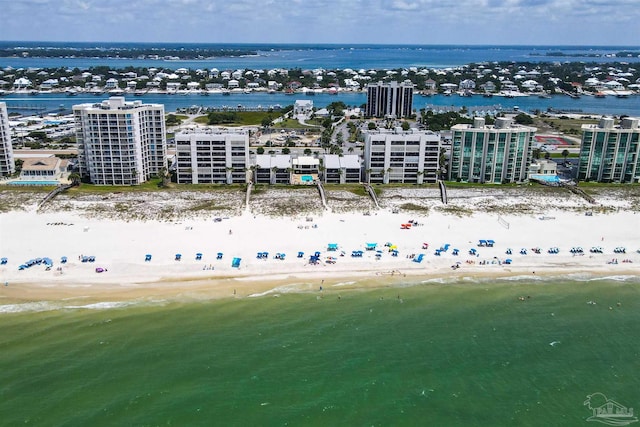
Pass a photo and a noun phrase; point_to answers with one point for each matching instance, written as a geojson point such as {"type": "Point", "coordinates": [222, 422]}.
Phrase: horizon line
{"type": "Point", "coordinates": [311, 44]}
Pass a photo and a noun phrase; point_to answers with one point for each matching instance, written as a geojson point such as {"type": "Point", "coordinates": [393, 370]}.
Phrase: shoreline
{"type": "Point", "coordinates": [120, 240]}
{"type": "Point", "coordinates": [29, 296]}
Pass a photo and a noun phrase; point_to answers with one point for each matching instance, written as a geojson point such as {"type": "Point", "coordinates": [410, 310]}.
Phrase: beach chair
{"type": "Point", "coordinates": [236, 262]}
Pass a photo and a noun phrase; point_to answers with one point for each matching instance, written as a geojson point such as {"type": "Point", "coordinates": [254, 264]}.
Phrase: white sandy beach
{"type": "Point", "coordinates": [120, 247]}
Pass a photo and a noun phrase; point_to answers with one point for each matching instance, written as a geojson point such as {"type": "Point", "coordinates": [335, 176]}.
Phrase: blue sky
{"type": "Point", "coordinates": [574, 22]}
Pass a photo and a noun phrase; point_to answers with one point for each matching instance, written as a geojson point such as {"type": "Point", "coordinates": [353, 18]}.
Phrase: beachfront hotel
{"type": "Point", "coordinates": [390, 100]}
{"type": "Point", "coordinates": [212, 156]}
{"type": "Point", "coordinates": [7, 163]}
{"type": "Point", "coordinates": [397, 156]}
{"type": "Point", "coordinates": [499, 153]}
{"type": "Point", "coordinates": [610, 152]}
{"type": "Point", "coordinates": [120, 142]}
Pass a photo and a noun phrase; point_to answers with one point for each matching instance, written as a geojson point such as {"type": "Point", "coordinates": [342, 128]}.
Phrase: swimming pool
{"type": "Point", "coordinates": [306, 178]}
{"type": "Point", "coordinates": [546, 178]}
{"type": "Point", "coordinates": [33, 183]}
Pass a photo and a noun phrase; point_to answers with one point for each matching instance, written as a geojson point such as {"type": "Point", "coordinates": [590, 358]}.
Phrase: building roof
{"type": "Point", "coordinates": [306, 160]}
{"type": "Point", "coordinates": [41, 163]}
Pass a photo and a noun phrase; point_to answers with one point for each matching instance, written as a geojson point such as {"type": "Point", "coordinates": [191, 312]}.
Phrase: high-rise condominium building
{"type": "Point", "coordinates": [392, 99]}
{"type": "Point", "coordinates": [7, 164]}
{"type": "Point", "coordinates": [397, 156]}
{"type": "Point", "coordinates": [120, 142]}
{"type": "Point", "coordinates": [499, 153]}
{"type": "Point", "coordinates": [212, 157]}
{"type": "Point", "coordinates": [610, 152]}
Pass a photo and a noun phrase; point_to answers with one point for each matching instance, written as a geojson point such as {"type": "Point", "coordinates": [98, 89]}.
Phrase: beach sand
{"type": "Point", "coordinates": [120, 247]}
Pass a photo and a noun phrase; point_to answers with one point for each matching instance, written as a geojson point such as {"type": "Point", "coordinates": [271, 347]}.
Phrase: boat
{"type": "Point", "coordinates": [487, 95]}
{"type": "Point", "coordinates": [544, 96]}
{"type": "Point", "coordinates": [600, 95]}
{"type": "Point", "coordinates": [226, 92]}
{"type": "Point", "coordinates": [34, 92]}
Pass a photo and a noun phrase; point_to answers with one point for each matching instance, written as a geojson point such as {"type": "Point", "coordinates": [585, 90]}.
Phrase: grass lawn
{"type": "Point", "coordinates": [242, 118]}
{"type": "Point", "coordinates": [561, 124]}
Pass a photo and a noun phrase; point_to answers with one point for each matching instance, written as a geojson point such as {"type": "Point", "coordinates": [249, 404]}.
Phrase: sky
{"type": "Point", "coordinates": [467, 22]}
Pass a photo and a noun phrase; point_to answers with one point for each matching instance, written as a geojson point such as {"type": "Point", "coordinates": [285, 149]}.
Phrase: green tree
{"type": "Point", "coordinates": [406, 126]}
{"type": "Point", "coordinates": [565, 154]}
{"type": "Point", "coordinates": [523, 119]}
{"type": "Point", "coordinates": [372, 126]}
{"type": "Point", "coordinates": [260, 150]}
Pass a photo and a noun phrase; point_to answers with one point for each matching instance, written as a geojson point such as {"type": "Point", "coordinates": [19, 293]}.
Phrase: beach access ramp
{"type": "Point", "coordinates": [372, 194]}
{"type": "Point", "coordinates": [443, 192]}
{"type": "Point", "coordinates": [248, 196]}
{"type": "Point", "coordinates": [323, 196]}
{"type": "Point", "coordinates": [53, 193]}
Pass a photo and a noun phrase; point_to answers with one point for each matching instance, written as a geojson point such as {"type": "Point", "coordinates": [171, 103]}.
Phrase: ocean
{"type": "Point", "coordinates": [473, 353]}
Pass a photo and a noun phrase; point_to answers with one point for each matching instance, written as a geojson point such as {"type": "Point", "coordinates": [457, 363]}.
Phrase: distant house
{"type": "Point", "coordinates": [233, 84]}
{"type": "Point", "coordinates": [467, 84]}
{"type": "Point", "coordinates": [22, 83]}
{"type": "Point", "coordinates": [488, 86]}
{"type": "Point", "coordinates": [430, 84]}
{"type": "Point", "coordinates": [614, 85]}
{"type": "Point", "coordinates": [302, 107]}
{"type": "Point", "coordinates": [112, 83]}
{"type": "Point", "coordinates": [49, 84]}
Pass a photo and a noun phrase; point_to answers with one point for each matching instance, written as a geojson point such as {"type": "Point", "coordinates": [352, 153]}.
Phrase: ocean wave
{"type": "Point", "coordinates": [42, 306]}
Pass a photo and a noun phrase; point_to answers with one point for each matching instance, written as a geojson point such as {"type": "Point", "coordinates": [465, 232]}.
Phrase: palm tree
{"type": "Point", "coordinates": [75, 178]}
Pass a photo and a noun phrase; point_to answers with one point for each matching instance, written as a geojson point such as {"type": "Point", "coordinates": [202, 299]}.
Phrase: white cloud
{"type": "Point", "coordinates": [337, 21]}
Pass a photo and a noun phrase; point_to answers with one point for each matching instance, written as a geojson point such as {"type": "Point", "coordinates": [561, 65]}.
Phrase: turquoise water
{"type": "Point", "coordinates": [455, 354]}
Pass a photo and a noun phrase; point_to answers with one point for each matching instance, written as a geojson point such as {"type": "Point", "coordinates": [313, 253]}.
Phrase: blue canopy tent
{"type": "Point", "coordinates": [332, 247]}
{"type": "Point", "coordinates": [236, 262]}
{"type": "Point", "coordinates": [455, 252]}
{"type": "Point", "coordinates": [300, 254]}
{"type": "Point", "coordinates": [63, 260]}
{"type": "Point", "coordinates": [490, 243]}
{"type": "Point", "coordinates": [178, 257]}
{"type": "Point", "coordinates": [147, 257]}
{"type": "Point", "coordinates": [507, 261]}
{"type": "Point", "coordinates": [472, 251]}
{"type": "Point", "coordinates": [3, 261]}
{"type": "Point", "coordinates": [482, 243]}
{"type": "Point", "coordinates": [371, 246]}
{"type": "Point", "coordinates": [418, 258]}
{"type": "Point", "coordinates": [198, 256]}
{"type": "Point", "coordinates": [219, 255]}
